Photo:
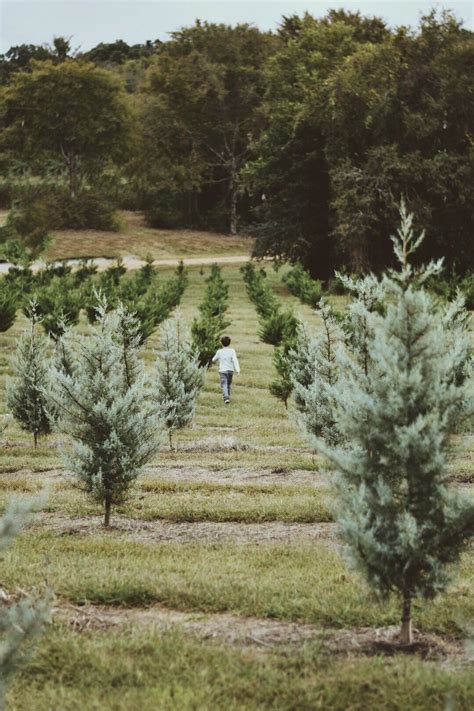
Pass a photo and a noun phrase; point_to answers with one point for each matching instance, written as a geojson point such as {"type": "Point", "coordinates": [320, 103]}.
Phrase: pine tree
{"type": "Point", "coordinates": [103, 403]}
{"type": "Point", "coordinates": [314, 373]}
{"type": "Point", "coordinates": [179, 377]}
{"type": "Point", "coordinates": [26, 391]}
{"type": "Point", "coordinates": [368, 295]}
{"type": "Point", "coordinates": [8, 306]}
{"type": "Point", "coordinates": [21, 621]}
{"type": "Point", "coordinates": [402, 522]}
{"type": "Point", "coordinates": [282, 386]}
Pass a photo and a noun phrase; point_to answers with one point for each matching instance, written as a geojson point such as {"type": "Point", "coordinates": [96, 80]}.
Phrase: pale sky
{"type": "Point", "coordinates": [89, 22]}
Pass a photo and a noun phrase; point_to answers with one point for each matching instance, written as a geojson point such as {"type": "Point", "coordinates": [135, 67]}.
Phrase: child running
{"type": "Point", "coordinates": [228, 365]}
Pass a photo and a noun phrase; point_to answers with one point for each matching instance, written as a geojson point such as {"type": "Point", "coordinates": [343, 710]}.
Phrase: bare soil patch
{"type": "Point", "coordinates": [203, 531]}
{"type": "Point", "coordinates": [266, 634]}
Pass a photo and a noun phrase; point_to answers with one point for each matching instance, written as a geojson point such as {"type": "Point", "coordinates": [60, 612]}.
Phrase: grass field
{"type": "Point", "coordinates": [221, 583]}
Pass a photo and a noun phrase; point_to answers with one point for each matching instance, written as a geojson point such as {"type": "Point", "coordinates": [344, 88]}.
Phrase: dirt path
{"type": "Point", "coordinates": [262, 634]}
{"type": "Point", "coordinates": [162, 531]}
{"type": "Point", "coordinates": [132, 262]}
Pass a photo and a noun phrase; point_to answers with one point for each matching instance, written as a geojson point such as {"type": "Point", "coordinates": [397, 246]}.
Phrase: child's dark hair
{"type": "Point", "coordinates": [225, 340]}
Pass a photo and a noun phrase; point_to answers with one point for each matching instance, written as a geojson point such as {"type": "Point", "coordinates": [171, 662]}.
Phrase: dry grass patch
{"type": "Point", "coordinates": [136, 238]}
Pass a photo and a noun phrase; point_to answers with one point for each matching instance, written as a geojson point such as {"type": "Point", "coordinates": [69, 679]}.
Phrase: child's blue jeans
{"type": "Point", "coordinates": [226, 382]}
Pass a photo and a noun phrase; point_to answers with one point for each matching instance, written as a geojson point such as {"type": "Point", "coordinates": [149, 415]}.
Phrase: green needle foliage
{"type": "Point", "coordinates": [280, 326]}
{"type": "Point", "coordinates": [368, 295]}
{"type": "Point", "coordinates": [103, 403]}
{"type": "Point", "coordinates": [314, 373]}
{"type": "Point", "coordinates": [26, 391]}
{"type": "Point", "coordinates": [282, 386]}
{"type": "Point", "coordinates": [403, 524]}
{"type": "Point", "coordinates": [179, 378]}
{"type": "Point", "coordinates": [301, 284]}
{"type": "Point", "coordinates": [22, 621]}
{"type": "Point", "coordinates": [8, 306]}
{"type": "Point", "coordinates": [59, 305]}
{"type": "Point", "coordinates": [206, 330]}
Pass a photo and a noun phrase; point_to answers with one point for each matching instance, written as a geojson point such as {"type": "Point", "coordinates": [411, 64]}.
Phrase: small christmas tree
{"type": "Point", "coordinates": [282, 386]}
{"type": "Point", "coordinates": [314, 373]}
{"type": "Point", "coordinates": [401, 521]}
{"type": "Point", "coordinates": [21, 621]}
{"type": "Point", "coordinates": [368, 295]}
{"type": "Point", "coordinates": [103, 403]}
{"type": "Point", "coordinates": [8, 305]}
{"type": "Point", "coordinates": [26, 391]}
{"type": "Point", "coordinates": [179, 378]}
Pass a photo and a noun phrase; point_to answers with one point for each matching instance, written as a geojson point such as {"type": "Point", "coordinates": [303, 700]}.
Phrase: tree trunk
{"type": "Point", "coordinates": [108, 508]}
{"type": "Point", "coordinates": [35, 439]}
{"type": "Point", "coordinates": [406, 636]}
{"type": "Point", "coordinates": [72, 174]}
{"type": "Point", "coordinates": [233, 190]}
{"type": "Point", "coordinates": [170, 437]}
{"type": "Point", "coordinates": [233, 210]}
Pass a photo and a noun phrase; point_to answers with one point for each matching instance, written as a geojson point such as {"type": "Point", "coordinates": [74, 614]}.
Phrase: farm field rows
{"type": "Point", "coordinates": [221, 583]}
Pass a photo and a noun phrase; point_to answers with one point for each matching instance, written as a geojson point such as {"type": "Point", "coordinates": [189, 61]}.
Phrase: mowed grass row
{"type": "Point", "coordinates": [134, 669]}
{"type": "Point", "coordinates": [308, 582]}
{"type": "Point", "coordinates": [242, 435]}
{"type": "Point", "coordinates": [154, 499]}
{"type": "Point", "coordinates": [255, 415]}
{"type": "Point", "coordinates": [127, 669]}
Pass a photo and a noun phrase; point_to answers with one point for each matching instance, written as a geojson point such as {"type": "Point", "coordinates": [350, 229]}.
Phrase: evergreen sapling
{"type": "Point", "coordinates": [314, 373]}
{"type": "Point", "coordinates": [401, 521]}
{"type": "Point", "coordinates": [103, 403]}
{"type": "Point", "coordinates": [179, 378]}
{"type": "Point", "coordinates": [22, 621]}
{"type": "Point", "coordinates": [26, 390]}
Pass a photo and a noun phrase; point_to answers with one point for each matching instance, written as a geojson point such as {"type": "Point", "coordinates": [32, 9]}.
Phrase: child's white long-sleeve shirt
{"type": "Point", "coordinates": [227, 358]}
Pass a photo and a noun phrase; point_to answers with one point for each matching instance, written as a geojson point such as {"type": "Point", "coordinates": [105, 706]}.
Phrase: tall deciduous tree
{"type": "Point", "coordinates": [72, 113]}
{"type": "Point", "coordinates": [402, 522]}
{"type": "Point", "coordinates": [356, 117]}
{"type": "Point", "coordinates": [200, 118]}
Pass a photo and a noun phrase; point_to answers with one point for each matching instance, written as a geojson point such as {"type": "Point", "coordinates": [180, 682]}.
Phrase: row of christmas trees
{"type": "Point", "coordinates": [96, 390]}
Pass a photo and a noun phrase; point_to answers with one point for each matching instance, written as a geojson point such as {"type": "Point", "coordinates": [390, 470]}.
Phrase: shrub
{"type": "Point", "coordinates": [300, 284]}
{"type": "Point", "coordinates": [165, 209]}
{"type": "Point", "coordinates": [30, 221]}
{"type": "Point", "coordinates": [8, 306]}
{"type": "Point", "coordinates": [59, 305]}
{"type": "Point", "coordinates": [279, 326]}
{"type": "Point", "coordinates": [88, 210]}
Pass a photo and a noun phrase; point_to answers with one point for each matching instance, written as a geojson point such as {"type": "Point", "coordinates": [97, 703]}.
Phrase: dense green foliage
{"type": "Point", "coordinates": [407, 388]}
{"type": "Point", "coordinates": [179, 377]}
{"type": "Point", "coordinates": [207, 329]}
{"type": "Point", "coordinates": [101, 400]}
{"type": "Point", "coordinates": [307, 138]}
{"type": "Point", "coordinates": [22, 620]}
{"type": "Point", "coordinates": [276, 326]}
{"type": "Point", "coordinates": [26, 391]}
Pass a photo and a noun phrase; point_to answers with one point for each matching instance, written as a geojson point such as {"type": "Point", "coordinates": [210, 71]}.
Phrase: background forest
{"type": "Point", "coordinates": [306, 138]}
